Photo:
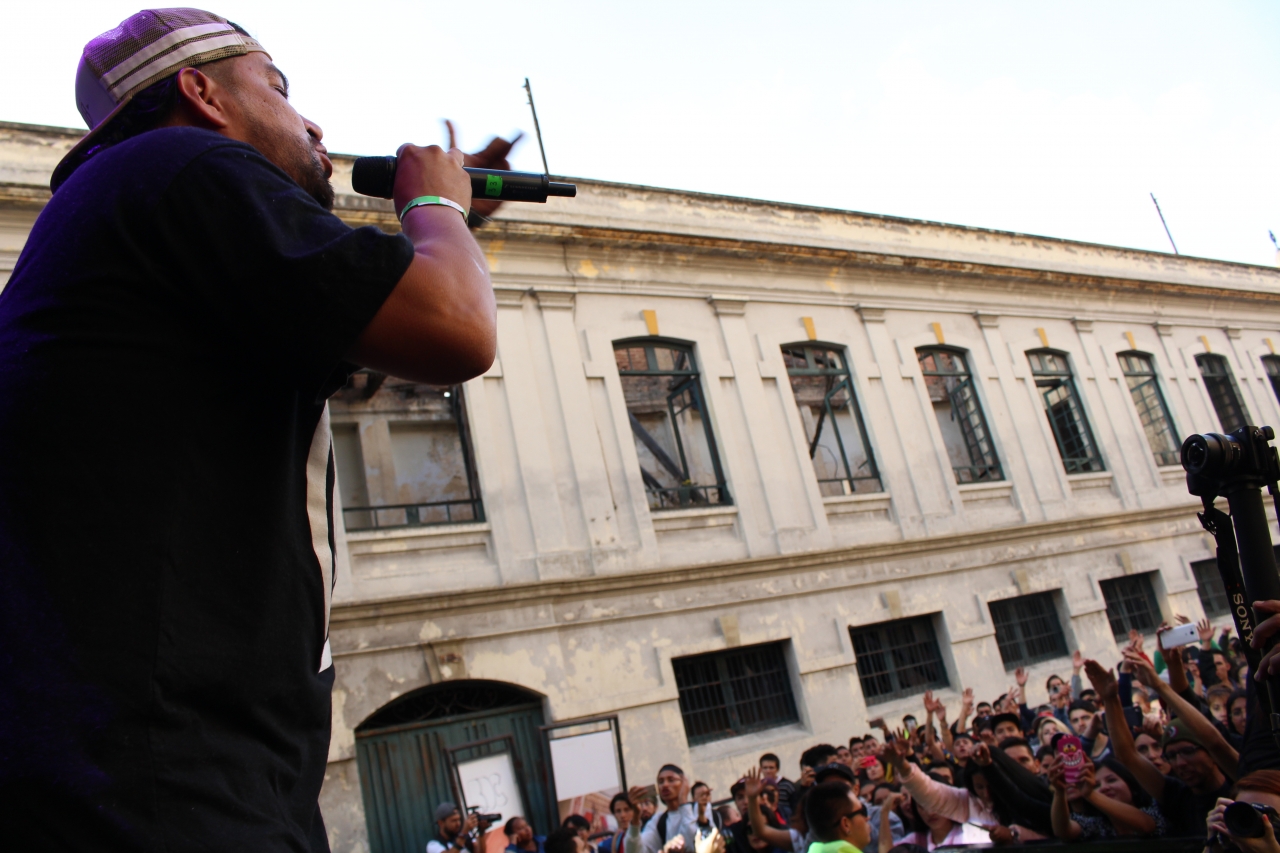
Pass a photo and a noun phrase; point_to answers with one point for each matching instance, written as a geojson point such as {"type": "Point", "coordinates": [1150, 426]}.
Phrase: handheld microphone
{"type": "Point", "coordinates": [376, 176]}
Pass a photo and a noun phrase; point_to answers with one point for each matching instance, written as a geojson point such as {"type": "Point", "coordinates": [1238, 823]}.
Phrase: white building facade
{"type": "Point", "coordinates": [745, 475]}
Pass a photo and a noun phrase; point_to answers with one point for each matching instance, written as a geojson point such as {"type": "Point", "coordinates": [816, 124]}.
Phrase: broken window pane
{"type": "Point", "coordinates": [403, 454]}
{"type": "Point", "coordinates": [1140, 375]}
{"type": "Point", "coordinates": [833, 427]}
{"type": "Point", "coordinates": [674, 440]}
{"type": "Point", "coordinates": [1066, 413]}
{"type": "Point", "coordinates": [960, 417]}
{"type": "Point", "coordinates": [1221, 385]}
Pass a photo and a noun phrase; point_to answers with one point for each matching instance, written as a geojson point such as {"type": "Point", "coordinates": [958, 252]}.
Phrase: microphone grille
{"type": "Point", "coordinates": [375, 176]}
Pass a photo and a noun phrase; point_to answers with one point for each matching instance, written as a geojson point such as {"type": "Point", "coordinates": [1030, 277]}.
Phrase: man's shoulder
{"type": "Point", "coordinates": [158, 155]}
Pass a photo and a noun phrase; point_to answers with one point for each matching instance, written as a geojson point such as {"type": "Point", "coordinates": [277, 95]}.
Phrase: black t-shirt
{"type": "Point", "coordinates": [1185, 810]}
{"type": "Point", "coordinates": [167, 342]}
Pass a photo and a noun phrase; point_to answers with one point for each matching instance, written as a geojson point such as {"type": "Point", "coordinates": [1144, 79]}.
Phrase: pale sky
{"type": "Point", "coordinates": [1055, 119]}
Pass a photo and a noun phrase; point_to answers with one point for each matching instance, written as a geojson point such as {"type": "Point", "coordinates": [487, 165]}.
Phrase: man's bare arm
{"type": "Point", "coordinates": [439, 324]}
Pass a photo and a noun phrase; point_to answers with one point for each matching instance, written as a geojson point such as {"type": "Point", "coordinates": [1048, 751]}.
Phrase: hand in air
{"type": "Point", "coordinates": [492, 156]}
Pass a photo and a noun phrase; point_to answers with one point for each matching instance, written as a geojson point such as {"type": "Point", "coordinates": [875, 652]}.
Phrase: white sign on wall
{"type": "Point", "coordinates": [490, 783]}
{"type": "Point", "coordinates": [585, 764]}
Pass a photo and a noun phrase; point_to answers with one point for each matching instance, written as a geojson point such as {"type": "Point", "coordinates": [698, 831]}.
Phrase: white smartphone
{"type": "Point", "coordinates": [1181, 636]}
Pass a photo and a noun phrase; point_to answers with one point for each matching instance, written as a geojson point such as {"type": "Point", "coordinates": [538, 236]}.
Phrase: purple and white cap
{"type": "Point", "coordinates": [147, 47]}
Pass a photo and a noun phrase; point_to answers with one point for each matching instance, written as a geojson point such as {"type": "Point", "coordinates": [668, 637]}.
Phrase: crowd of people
{"type": "Point", "coordinates": [1159, 746]}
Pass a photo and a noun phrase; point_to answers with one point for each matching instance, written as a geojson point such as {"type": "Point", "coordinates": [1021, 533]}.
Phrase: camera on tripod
{"type": "Point", "coordinates": [1237, 466]}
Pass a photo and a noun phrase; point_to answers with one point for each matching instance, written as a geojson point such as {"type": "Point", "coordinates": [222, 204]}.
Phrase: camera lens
{"type": "Point", "coordinates": [1244, 820]}
{"type": "Point", "coordinates": [1210, 454]}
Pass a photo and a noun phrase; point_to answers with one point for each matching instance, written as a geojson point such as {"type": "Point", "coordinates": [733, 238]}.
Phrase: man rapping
{"type": "Point", "coordinates": [184, 306]}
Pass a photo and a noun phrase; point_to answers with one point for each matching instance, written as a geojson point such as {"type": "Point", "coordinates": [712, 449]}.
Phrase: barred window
{"type": "Point", "coordinates": [1209, 586]}
{"type": "Point", "coordinates": [418, 470]}
{"type": "Point", "coordinates": [838, 446]}
{"type": "Point", "coordinates": [1271, 363]}
{"type": "Point", "coordinates": [1066, 413]}
{"type": "Point", "coordinates": [1140, 374]}
{"type": "Point", "coordinates": [679, 462]}
{"type": "Point", "coordinates": [1131, 604]}
{"type": "Point", "coordinates": [1027, 629]}
{"type": "Point", "coordinates": [1223, 391]}
{"type": "Point", "coordinates": [725, 694]}
{"type": "Point", "coordinates": [960, 417]}
{"type": "Point", "coordinates": [899, 658]}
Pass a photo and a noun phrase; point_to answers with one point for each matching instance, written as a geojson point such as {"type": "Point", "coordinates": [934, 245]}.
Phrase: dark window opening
{"type": "Point", "coordinates": [1157, 423]}
{"type": "Point", "coordinates": [1223, 391]}
{"type": "Point", "coordinates": [726, 694]}
{"type": "Point", "coordinates": [1209, 586]}
{"type": "Point", "coordinates": [833, 426]}
{"type": "Point", "coordinates": [899, 658]}
{"type": "Point", "coordinates": [1027, 629]}
{"type": "Point", "coordinates": [679, 462]}
{"type": "Point", "coordinates": [1066, 413]}
{"type": "Point", "coordinates": [1131, 605]}
{"type": "Point", "coordinates": [419, 469]}
{"type": "Point", "coordinates": [960, 417]}
{"type": "Point", "coordinates": [1271, 364]}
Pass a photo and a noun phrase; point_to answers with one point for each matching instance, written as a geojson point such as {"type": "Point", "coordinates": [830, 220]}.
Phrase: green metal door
{"type": "Point", "coordinates": [404, 767]}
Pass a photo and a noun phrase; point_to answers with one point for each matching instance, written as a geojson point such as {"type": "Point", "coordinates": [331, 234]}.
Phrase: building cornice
{"type": "Point", "coordinates": [434, 604]}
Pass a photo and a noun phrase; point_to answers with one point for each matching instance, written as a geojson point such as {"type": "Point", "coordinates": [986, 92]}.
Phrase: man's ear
{"type": "Point", "coordinates": [202, 101]}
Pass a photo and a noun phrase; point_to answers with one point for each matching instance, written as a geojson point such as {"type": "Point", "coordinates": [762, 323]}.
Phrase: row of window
{"type": "Point", "coordinates": [677, 449]}
{"type": "Point", "coordinates": [725, 694]}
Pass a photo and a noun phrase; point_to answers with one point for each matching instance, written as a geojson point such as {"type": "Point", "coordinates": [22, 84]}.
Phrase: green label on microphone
{"type": "Point", "coordinates": [493, 185]}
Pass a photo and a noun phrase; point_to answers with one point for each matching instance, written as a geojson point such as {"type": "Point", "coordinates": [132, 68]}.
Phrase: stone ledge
{"type": "Point", "coordinates": [435, 604]}
{"type": "Point", "coordinates": [693, 519]}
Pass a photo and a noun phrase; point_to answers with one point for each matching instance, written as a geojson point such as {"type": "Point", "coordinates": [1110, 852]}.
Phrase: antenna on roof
{"type": "Point", "coordinates": [1165, 224]}
{"type": "Point", "coordinates": [536, 127]}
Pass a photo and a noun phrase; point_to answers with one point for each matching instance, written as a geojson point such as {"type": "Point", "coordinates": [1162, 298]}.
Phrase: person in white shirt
{"type": "Point", "coordinates": [675, 828]}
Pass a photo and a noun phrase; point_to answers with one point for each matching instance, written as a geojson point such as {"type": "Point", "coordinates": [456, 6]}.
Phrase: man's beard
{"type": "Point", "coordinates": [299, 160]}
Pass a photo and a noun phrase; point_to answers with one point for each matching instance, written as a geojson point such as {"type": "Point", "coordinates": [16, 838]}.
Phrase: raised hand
{"type": "Point", "coordinates": [492, 156]}
{"type": "Point", "coordinates": [1103, 681]}
{"type": "Point", "coordinates": [752, 782]}
{"type": "Point", "coordinates": [928, 702]}
{"type": "Point", "coordinates": [1077, 661]}
{"type": "Point", "coordinates": [982, 754]}
{"type": "Point", "coordinates": [1204, 629]}
{"type": "Point", "coordinates": [1141, 669]}
{"type": "Point", "coordinates": [966, 702]}
{"type": "Point", "coordinates": [712, 842]}
{"type": "Point", "coordinates": [1021, 676]}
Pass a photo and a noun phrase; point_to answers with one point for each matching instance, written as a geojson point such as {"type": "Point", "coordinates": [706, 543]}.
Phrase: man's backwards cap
{"type": "Point", "coordinates": [147, 47]}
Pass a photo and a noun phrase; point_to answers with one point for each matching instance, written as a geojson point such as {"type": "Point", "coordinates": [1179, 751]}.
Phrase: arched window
{"type": "Point", "coordinates": [674, 440]}
{"type": "Point", "coordinates": [1067, 418]}
{"type": "Point", "coordinates": [959, 412]}
{"type": "Point", "coordinates": [1140, 374]}
{"type": "Point", "coordinates": [838, 446]}
{"type": "Point", "coordinates": [1271, 363]}
{"type": "Point", "coordinates": [1223, 392]}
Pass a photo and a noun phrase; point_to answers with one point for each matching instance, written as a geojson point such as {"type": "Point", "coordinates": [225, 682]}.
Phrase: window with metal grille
{"type": "Point", "coordinates": [679, 462]}
{"type": "Point", "coordinates": [1027, 629]}
{"type": "Point", "coordinates": [1209, 586]}
{"type": "Point", "coordinates": [1213, 595]}
{"type": "Point", "coordinates": [1220, 382]}
{"type": "Point", "coordinates": [959, 413]}
{"type": "Point", "coordinates": [726, 694]}
{"type": "Point", "coordinates": [1271, 363]}
{"type": "Point", "coordinates": [1157, 423]}
{"type": "Point", "coordinates": [838, 446]}
{"type": "Point", "coordinates": [418, 470]}
{"type": "Point", "coordinates": [1131, 604]}
{"type": "Point", "coordinates": [898, 658]}
{"type": "Point", "coordinates": [1066, 413]}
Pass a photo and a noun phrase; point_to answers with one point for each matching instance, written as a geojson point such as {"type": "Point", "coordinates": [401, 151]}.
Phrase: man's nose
{"type": "Point", "coordinates": [313, 129]}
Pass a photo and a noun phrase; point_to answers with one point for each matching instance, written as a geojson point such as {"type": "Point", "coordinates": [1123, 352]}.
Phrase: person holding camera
{"type": "Point", "coordinates": [453, 833]}
{"type": "Point", "coordinates": [1248, 821]}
